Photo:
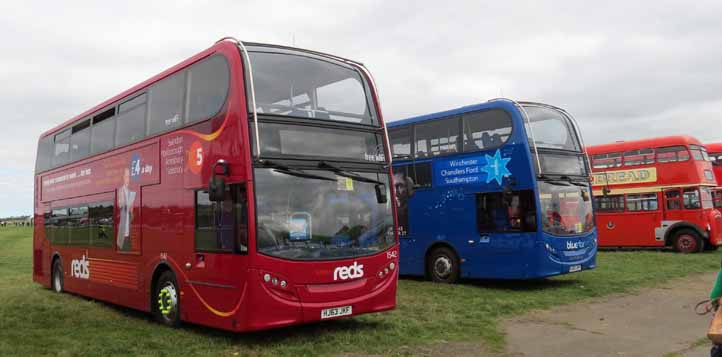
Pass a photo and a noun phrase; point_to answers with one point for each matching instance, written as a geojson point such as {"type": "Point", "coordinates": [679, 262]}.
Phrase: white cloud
{"type": "Point", "coordinates": [624, 69]}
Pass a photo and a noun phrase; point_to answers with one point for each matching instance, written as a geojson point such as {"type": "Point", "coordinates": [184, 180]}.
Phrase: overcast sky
{"type": "Point", "coordinates": [624, 69]}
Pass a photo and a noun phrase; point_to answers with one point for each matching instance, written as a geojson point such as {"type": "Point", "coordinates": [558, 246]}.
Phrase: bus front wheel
{"type": "Point", "coordinates": [57, 276]}
{"type": "Point", "coordinates": [166, 300]}
{"type": "Point", "coordinates": [687, 241]}
{"type": "Point", "coordinates": [443, 266]}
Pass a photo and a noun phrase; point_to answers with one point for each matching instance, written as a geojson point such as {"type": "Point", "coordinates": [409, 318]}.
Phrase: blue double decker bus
{"type": "Point", "coordinates": [495, 190]}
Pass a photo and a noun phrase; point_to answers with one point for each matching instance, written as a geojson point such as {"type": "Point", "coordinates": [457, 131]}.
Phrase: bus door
{"type": "Point", "coordinates": [644, 216]}
{"type": "Point", "coordinates": [674, 209]}
{"type": "Point", "coordinates": [219, 263]}
{"type": "Point", "coordinates": [506, 222]}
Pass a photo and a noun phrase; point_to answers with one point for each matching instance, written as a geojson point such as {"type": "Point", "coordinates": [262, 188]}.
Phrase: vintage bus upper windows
{"type": "Point", "coordinates": [305, 87]}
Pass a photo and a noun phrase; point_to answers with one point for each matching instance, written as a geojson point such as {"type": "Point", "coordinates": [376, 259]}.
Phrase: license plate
{"type": "Point", "coordinates": [335, 312]}
{"type": "Point", "coordinates": [574, 268]}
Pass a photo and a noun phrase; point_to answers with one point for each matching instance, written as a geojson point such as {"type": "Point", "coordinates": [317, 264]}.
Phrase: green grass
{"type": "Point", "coordinates": [35, 321]}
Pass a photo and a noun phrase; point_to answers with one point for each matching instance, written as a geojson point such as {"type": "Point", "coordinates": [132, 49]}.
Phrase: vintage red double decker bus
{"type": "Point", "coordinates": [246, 188]}
{"type": "Point", "coordinates": [655, 193]}
{"type": "Point", "coordinates": [715, 154]}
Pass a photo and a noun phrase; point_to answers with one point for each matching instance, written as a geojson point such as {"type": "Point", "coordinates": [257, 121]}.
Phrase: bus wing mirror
{"type": "Point", "coordinates": [216, 189]}
{"type": "Point", "coordinates": [381, 196]}
{"type": "Point", "coordinates": [585, 196]}
{"type": "Point", "coordinates": [606, 190]}
{"type": "Point", "coordinates": [217, 185]}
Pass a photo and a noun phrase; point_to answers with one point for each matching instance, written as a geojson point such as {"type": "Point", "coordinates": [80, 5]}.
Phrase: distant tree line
{"type": "Point", "coordinates": [16, 221]}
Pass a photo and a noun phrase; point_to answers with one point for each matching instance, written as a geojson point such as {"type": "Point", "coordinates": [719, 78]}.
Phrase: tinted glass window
{"type": "Point", "coordinates": [639, 157]}
{"type": "Point", "coordinates": [61, 154]}
{"type": "Point", "coordinates": [405, 185]}
{"type": "Point", "coordinates": [550, 129]}
{"type": "Point", "coordinates": [642, 202]}
{"type": "Point", "coordinates": [306, 87]}
{"type": "Point", "coordinates": [297, 140]}
{"type": "Point", "coordinates": [717, 198]}
{"type": "Point", "coordinates": [80, 141]}
{"type": "Point", "coordinates": [672, 154]}
{"type": "Point", "coordinates": [611, 203]}
{"type": "Point", "coordinates": [44, 154]}
{"type": "Point", "coordinates": [315, 219]}
{"type": "Point", "coordinates": [437, 137]}
{"type": "Point", "coordinates": [716, 158]}
{"type": "Point", "coordinates": [516, 215]}
{"type": "Point", "coordinates": [692, 199]}
{"type": "Point", "coordinates": [131, 121]}
{"type": "Point", "coordinates": [698, 153]}
{"type": "Point", "coordinates": [561, 164]}
{"type": "Point", "coordinates": [59, 226]}
{"type": "Point", "coordinates": [565, 210]}
{"type": "Point", "coordinates": [166, 104]}
{"type": "Point", "coordinates": [603, 161]}
{"type": "Point", "coordinates": [77, 226]}
{"type": "Point", "coordinates": [422, 174]}
{"type": "Point", "coordinates": [208, 81]}
{"type": "Point", "coordinates": [486, 130]}
{"type": "Point", "coordinates": [100, 216]}
{"type": "Point", "coordinates": [102, 135]}
{"type": "Point", "coordinates": [673, 199]}
{"type": "Point", "coordinates": [400, 140]}
{"type": "Point", "coordinates": [222, 226]}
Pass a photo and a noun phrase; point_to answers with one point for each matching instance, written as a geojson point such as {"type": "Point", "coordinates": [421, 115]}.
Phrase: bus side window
{"type": "Point", "coordinates": [517, 214]}
{"type": "Point", "coordinates": [222, 226]}
{"type": "Point", "coordinates": [422, 175]}
{"type": "Point", "coordinates": [673, 200]}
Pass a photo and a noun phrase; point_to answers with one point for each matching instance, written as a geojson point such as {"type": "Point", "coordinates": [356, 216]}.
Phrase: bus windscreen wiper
{"type": "Point", "coordinates": [569, 179]}
{"type": "Point", "coordinates": [294, 172]}
{"type": "Point", "coordinates": [351, 175]}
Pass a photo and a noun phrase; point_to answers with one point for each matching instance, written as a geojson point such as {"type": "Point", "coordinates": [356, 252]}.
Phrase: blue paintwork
{"type": "Point", "coordinates": [446, 213]}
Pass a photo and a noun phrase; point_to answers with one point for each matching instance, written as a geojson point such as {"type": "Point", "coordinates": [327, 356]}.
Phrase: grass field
{"type": "Point", "coordinates": [35, 321]}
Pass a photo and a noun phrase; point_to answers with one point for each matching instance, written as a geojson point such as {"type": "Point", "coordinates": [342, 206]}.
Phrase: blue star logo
{"type": "Point", "coordinates": [496, 167]}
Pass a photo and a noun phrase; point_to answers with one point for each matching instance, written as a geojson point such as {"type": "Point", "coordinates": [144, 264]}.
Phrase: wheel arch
{"type": "Point", "coordinates": [438, 244]}
{"type": "Point", "coordinates": [158, 270]}
{"type": "Point", "coordinates": [673, 229]}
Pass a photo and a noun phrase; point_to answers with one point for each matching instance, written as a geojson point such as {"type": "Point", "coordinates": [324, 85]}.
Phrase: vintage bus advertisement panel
{"type": "Point", "coordinates": [715, 155]}
{"type": "Point", "coordinates": [494, 190]}
{"type": "Point", "coordinates": [246, 188]}
{"type": "Point", "coordinates": [655, 193]}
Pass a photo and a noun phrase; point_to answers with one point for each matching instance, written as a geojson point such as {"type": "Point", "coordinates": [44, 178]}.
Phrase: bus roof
{"type": "Point", "coordinates": [493, 103]}
{"type": "Point", "coordinates": [178, 67]}
{"type": "Point", "coordinates": [714, 147]}
{"type": "Point", "coordinates": [649, 143]}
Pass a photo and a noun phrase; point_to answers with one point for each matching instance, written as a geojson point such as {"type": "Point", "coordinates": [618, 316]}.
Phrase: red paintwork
{"type": "Point", "coordinates": [716, 148]}
{"type": "Point", "coordinates": [235, 296]}
{"type": "Point", "coordinates": [638, 228]}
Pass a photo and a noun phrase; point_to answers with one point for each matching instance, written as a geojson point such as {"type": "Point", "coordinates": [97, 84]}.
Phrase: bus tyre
{"type": "Point", "coordinates": [57, 276]}
{"type": "Point", "coordinates": [166, 300]}
{"type": "Point", "coordinates": [443, 266]}
{"type": "Point", "coordinates": [687, 241]}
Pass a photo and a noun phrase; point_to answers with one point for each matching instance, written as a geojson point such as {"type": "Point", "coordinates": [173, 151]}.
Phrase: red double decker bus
{"type": "Point", "coordinates": [715, 154]}
{"type": "Point", "coordinates": [655, 193]}
{"type": "Point", "coordinates": [246, 188]}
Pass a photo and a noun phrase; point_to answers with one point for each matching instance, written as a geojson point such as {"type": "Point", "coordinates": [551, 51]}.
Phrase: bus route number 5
{"type": "Point", "coordinates": [195, 157]}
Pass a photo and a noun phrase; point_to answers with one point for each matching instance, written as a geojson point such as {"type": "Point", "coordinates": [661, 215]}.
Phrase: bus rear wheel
{"type": "Point", "coordinates": [443, 266]}
{"type": "Point", "coordinates": [57, 276]}
{"type": "Point", "coordinates": [687, 241]}
{"type": "Point", "coordinates": [166, 300]}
